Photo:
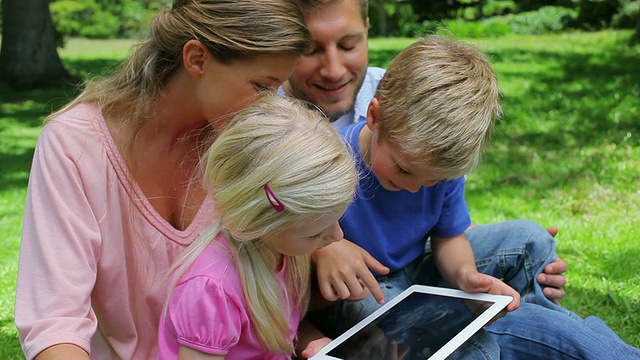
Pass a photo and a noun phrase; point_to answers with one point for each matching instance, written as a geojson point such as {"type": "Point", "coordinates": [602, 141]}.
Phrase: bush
{"type": "Point", "coordinates": [627, 16]}
{"type": "Point", "coordinates": [596, 14]}
{"type": "Point", "coordinates": [544, 20]}
{"type": "Point", "coordinates": [103, 18]}
{"type": "Point", "coordinates": [83, 18]}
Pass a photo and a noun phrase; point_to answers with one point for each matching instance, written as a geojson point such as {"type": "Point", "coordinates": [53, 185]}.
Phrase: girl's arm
{"type": "Point", "coordinates": [310, 340]}
{"type": "Point", "coordinates": [456, 262]}
{"type": "Point", "coordinates": [187, 353]}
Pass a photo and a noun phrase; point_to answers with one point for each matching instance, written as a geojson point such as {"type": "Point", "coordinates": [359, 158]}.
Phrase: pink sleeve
{"type": "Point", "coordinates": [59, 250]}
{"type": "Point", "coordinates": [204, 317]}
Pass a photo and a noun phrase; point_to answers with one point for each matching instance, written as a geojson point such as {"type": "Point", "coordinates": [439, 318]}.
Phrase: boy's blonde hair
{"type": "Point", "coordinates": [280, 142]}
{"type": "Point", "coordinates": [439, 100]}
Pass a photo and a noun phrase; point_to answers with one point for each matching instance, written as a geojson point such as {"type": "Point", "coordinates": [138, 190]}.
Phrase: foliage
{"type": "Point", "coordinates": [543, 20]}
{"type": "Point", "coordinates": [596, 14]}
{"type": "Point", "coordinates": [407, 18]}
{"type": "Point", "coordinates": [83, 18]}
{"type": "Point", "coordinates": [103, 19]}
{"type": "Point", "coordinates": [627, 16]}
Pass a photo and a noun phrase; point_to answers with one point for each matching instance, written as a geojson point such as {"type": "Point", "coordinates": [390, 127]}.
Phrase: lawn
{"type": "Point", "coordinates": [566, 153]}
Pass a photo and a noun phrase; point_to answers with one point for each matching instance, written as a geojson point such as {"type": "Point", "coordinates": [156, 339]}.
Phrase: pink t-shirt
{"type": "Point", "coordinates": [93, 259]}
{"type": "Point", "coordinates": [207, 311]}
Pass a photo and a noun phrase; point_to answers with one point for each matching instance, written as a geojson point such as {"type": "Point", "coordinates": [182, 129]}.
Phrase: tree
{"type": "Point", "coordinates": [29, 56]}
{"type": "Point", "coordinates": [635, 38]}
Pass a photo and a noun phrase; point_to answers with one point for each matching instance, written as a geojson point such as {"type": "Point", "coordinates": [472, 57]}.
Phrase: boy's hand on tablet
{"type": "Point", "coordinates": [478, 282]}
{"type": "Point", "coordinates": [343, 272]}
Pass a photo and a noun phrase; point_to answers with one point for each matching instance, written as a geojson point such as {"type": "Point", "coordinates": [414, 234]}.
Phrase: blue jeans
{"type": "Point", "coordinates": [515, 251]}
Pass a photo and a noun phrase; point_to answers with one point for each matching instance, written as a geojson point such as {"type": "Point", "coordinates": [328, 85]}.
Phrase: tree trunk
{"type": "Point", "coordinates": [29, 56]}
{"type": "Point", "coordinates": [636, 35]}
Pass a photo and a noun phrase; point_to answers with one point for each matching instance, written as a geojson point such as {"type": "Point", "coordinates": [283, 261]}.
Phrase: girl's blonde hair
{"type": "Point", "coordinates": [283, 143]}
{"type": "Point", "coordinates": [230, 29]}
{"type": "Point", "coordinates": [439, 100]}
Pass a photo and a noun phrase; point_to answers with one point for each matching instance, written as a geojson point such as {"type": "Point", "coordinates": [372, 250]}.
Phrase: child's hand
{"type": "Point", "coordinates": [478, 282]}
{"type": "Point", "coordinates": [314, 346]}
{"type": "Point", "coordinates": [343, 272]}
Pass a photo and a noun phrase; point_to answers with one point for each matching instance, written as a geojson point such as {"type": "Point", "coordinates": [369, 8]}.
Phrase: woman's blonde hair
{"type": "Point", "coordinates": [439, 100]}
{"type": "Point", "coordinates": [230, 29]}
{"type": "Point", "coordinates": [283, 143]}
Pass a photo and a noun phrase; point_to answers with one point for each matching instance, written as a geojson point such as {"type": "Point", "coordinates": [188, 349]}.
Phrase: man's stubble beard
{"type": "Point", "coordinates": [331, 116]}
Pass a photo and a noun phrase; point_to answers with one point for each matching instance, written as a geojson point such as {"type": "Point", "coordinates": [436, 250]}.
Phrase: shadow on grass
{"type": "Point", "coordinates": [9, 343]}
{"type": "Point", "coordinates": [27, 109]}
{"type": "Point", "coordinates": [588, 302]}
{"type": "Point", "coordinates": [584, 102]}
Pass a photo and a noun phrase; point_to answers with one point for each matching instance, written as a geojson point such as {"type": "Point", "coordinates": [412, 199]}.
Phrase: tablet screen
{"type": "Point", "coordinates": [417, 325]}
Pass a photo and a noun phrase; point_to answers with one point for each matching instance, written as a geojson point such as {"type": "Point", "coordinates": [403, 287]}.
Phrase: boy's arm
{"type": "Point", "coordinates": [456, 263]}
{"type": "Point", "coordinates": [343, 272]}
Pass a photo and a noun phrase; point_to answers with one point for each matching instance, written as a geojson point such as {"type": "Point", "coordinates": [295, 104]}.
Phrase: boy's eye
{"type": "Point", "coordinates": [402, 171]}
{"type": "Point", "coordinates": [316, 236]}
{"type": "Point", "coordinates": [261, 87]}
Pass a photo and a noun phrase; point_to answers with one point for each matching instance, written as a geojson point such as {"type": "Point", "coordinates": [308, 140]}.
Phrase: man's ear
{"type": "Point", "coordinates": [366, 27]}
{"type": "Point", "coordinates": [194, 55]}
{"type": "Point", "coordinates": [372, 114]}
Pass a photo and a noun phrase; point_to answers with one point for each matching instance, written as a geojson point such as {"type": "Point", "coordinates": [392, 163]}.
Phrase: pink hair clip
{"type": "Point", "coordinates": [273, 199]}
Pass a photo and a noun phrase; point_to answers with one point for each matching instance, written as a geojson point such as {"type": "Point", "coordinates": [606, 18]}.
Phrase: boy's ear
{"type": "Point", "coordinates": [372, 114]}
{"type": "Point", "coordinates": [194, 55]}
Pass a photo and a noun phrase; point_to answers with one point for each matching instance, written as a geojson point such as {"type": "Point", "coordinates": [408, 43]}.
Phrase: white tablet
{"type": "Point", "coordinates": [422, 322]}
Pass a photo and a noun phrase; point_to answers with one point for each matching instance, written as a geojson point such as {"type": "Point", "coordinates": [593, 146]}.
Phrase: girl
{"type": "Point", "coordinates": [114, 194]}
{"type": "Point", "coordinates": [281, 178]}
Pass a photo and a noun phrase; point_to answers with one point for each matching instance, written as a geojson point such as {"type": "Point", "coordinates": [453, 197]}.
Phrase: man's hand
{"type": "Point", "coordinates": [553, 279]}
{"type": "Point", "coordinates": [343, 272]}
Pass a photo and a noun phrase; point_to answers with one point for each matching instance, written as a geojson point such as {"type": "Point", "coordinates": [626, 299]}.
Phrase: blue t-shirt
{"type": "Point", "coordinates": [393, 226]}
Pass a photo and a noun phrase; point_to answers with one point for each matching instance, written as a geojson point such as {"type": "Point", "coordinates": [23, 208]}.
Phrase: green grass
{"type": "Point", "coordinates": [566, 153]}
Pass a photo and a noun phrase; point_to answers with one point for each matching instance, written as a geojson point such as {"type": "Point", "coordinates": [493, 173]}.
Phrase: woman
{"type": "Point", "coordinates": [114, 195]}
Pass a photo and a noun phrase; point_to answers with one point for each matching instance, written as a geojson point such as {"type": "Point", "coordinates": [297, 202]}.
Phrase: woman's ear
{"type": "Point", "coordinates": [194, 56]}
{"type": "Point", "coordinates": [372, 114]}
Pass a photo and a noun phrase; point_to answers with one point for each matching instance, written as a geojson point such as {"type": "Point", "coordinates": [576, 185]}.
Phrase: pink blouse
{"type": "Point", "coordinates": [207, 311]}
{"type": "Point", "coordinates": [94, 253]}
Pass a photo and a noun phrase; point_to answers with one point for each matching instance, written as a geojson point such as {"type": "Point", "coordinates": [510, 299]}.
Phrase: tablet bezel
{"type": "Point", "coordinates": [499, 303]}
